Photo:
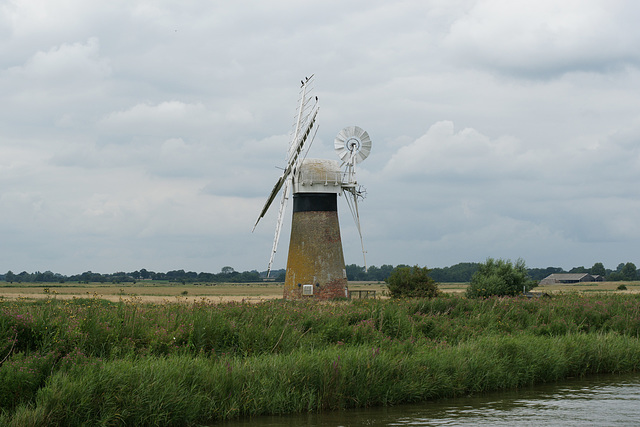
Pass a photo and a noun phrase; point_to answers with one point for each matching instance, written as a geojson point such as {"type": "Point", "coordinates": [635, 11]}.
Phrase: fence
{"type": "Point", "coordinates": [362, 294]}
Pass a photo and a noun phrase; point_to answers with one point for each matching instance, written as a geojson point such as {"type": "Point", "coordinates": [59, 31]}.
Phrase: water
{"type": "Point", "coordinates": [597, 401]}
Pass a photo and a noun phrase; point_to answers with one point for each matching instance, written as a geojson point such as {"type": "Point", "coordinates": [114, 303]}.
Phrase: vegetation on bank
{"type": "Point", "coordinates": [500, 278]}
{"type": "Point", "coordinates": [99, 363]}
{"type": "Point", "coordinates": [411, 282]}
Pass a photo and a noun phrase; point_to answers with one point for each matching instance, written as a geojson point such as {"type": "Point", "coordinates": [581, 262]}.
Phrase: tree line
{"type": "Point", "coordinates": [226, 275]}
{"type": "Point", "coordinates": [464, 271]}
{"type": "Point", "coordinates": [461, 272]}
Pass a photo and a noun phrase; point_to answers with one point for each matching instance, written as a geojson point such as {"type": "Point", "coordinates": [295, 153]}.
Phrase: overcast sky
{"type": "Point", "coordinates": [147, 134]}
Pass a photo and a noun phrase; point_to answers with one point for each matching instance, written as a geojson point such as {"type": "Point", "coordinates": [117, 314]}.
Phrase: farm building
{"type": "Point", "coordinates": [570, 278]}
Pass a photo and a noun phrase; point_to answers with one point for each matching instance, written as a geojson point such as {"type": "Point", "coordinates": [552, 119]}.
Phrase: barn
{"type": "Point", "coordinates": [570, 278]}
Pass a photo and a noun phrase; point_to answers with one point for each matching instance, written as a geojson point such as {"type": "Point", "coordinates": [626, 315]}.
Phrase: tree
{"type": "Point", "coordinates": [598, 269]}
{"type": "Point", "coordinates": [10, 277]}
{"type": "Point", "coordinates": [411, 282]}
{"type": "Point", "coordinates": [461, 272]}
{"type": "Point", "coordinates": [500, 277]}
{"type": "Point", "coordinates": [385, 271]}
{"type": "Point", "coordinates": [541, 273]}
{"type": "Point", "coordinates": [614, 276]}
{"type": "Point", "coordinates": [355, 272]}
{"type": "Point", "coordinates": [227, 270]}
{"type": "Point", "coordinates": [281, 276]}
{"type": "Point", "coordinates": [629, 271]}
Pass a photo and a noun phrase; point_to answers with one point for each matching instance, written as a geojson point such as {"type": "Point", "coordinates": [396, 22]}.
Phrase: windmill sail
{"type": "Point", "coordinates": [305, 124]}
{"type": "Point", "coordinates": [304, 131]}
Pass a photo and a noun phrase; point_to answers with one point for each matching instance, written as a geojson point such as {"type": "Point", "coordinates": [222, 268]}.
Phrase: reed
{"type": "Point", "coordinates": [187, 390]}
{"type": "Point", "coordinates": [93, 362]}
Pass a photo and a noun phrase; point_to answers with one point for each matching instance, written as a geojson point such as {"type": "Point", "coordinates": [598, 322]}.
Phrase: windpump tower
{"type": "Point", "coordinates": [315, 265]}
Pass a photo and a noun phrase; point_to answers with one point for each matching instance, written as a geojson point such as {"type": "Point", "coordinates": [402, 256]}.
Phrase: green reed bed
{"type": "Point", "coordinates": [90, 361]}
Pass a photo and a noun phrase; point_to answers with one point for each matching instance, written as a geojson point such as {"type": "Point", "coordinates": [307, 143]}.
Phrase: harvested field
{"type": "Point", "coordinates": [160, 292]}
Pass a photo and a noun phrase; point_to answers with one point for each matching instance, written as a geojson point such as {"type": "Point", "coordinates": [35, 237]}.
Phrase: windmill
{"type": "Point", "coordinates": [315, 265]}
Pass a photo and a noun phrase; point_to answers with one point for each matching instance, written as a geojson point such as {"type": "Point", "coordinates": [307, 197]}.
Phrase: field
{"type": "Point", "coordinates": [159, 292]}
{"type": "Point", "coordinates": [90, 361]}
{"type": "Point", "coordinates": [632, 287]}
{"type": "Point", "coordinates": [148, 292]}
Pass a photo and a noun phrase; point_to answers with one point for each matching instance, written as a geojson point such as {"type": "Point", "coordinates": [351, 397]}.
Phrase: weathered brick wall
{"type": "Point", "coordinates": [315, 256]}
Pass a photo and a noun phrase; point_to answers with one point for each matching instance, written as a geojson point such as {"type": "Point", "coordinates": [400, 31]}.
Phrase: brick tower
{"type": "Point", "coordinates": [315, 266]}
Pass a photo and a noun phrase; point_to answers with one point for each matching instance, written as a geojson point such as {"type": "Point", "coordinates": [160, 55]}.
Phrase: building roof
{"type": "Point", "coordinates": [567, 276]}
{"type": "Point", "coordinates": [564, 277]}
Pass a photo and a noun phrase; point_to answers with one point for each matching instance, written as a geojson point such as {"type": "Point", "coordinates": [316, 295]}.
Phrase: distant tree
{"type": "Point", "coordinates": [411, 282]}
{"type": "Point", "coordinates": [500, 277]}
{"type": "Point", "coordinates": [47, 276]}
{"type": "Point", "coordinates": [120, 277]}
{"type": "Point", "coordinates": [373, 273]}
{"type": "Point", "coordinates": [461, 272]}
{"type": "Point", "coordinates": [355, 272]}
{"type": "Point", "coordinates": [598, 269]}
{"type": "Point", "coordinates": [227, 270]}
{"type": "Point", "coordinates": [10, 277]}
{"type": "Point", "coordinates": [580, 269]}
{"type": "Point", "coordinates": [176, 275]}
{"type": "Point", "coordinates": [614, 276]}
{"type": "Point", "coordinates": [249, 276]}
{"type": "Point", "coordinates": [280, 276]}
{"type": "Point", "coordinates": [541, 273]}
{"type": "Point", "coordinates": [157, 276]}
{"type": "Point", "coordinates": [88, 277]}
{"type": "Point", "coordinates": [629, 271]}
{"type": "Point", "coordinates": [385, 271]}
{"type": "Point", "coordinates": [206, 277]}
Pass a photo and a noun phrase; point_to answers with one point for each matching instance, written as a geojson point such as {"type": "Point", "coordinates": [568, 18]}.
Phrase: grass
{"type": "Point", "coordinates": [91, 361]}
{"type": "Point", "coordinates": [181, 390]}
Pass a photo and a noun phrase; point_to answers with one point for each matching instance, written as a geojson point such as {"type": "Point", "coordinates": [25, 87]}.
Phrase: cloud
{"type": "Point", "coordinates": [546, 38]}
{"type": "Point", "coordinates": [63, 73]}
{"type": "Point", "coordinates": [137, 134]}
{"type": "Point", "coordinates": [164, 119]}
{"type": "Point", "coordinates": [497, 195]}
{"type": "Point", "coordinates": [444, 153]}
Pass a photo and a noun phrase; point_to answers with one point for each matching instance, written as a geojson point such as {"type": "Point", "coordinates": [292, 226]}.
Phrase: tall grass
{"type": "Point", "coordinates": [182, 389]}
{"type": "Point", "coordinates": [93, 362]}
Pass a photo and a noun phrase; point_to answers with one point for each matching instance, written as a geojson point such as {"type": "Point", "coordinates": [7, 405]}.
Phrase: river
{"type": "Point", "coordinates": [596, 401]}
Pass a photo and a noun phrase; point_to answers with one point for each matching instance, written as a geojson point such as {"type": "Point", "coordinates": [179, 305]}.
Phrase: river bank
{"type": "Point", "coordinates": [92, 361]}
{"type": "Point", "coordinates": [596, 400]}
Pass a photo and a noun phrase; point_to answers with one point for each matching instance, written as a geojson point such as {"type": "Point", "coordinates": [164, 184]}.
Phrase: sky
{"type": "Point", "coordinates": [148, 134]}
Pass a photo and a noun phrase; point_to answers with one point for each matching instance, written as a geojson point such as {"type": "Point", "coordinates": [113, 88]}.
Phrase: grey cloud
{"type": "Point", "coordinates": [546, 38]}
{"type": "Point", "coordinates": [141, 134]}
